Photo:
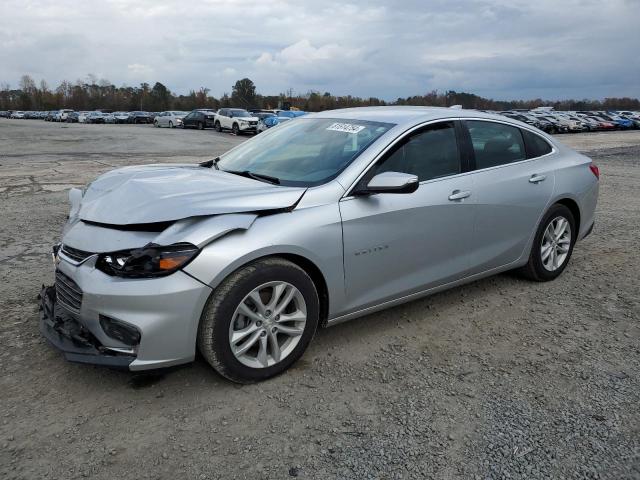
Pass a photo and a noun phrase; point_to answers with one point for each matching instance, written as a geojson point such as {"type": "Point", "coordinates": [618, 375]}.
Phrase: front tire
{"type": "Point", "coordinates": [218, 127]}
{"type": "Point", "coordinates": [259, 321]}
{"type": "Point", "coordinates": [235, 129]}
{"type": "Point", "coordinates": [200, 126]}
{"type": "Point", "coordinates": [170, 124]}
{"type": "Point", "coordinates": [552, 245]}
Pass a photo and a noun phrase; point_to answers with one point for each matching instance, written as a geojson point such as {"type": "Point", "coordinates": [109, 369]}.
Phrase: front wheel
{"type": "Point", "coordinates": [259, 321]}
{"type": "Point", "coordinates": [170, 124]}
{"type": "Point", "coordinates": [552, 245]}
{"type": "Point", "coordinates": [218, 127]}
{"type": "Point", "coordinates": [200, 126]}
{"type": "Point", "coordinates": [235, 129]}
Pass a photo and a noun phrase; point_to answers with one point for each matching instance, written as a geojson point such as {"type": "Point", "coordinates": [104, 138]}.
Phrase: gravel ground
{"type": "Point", "coordinates": [502, 378]}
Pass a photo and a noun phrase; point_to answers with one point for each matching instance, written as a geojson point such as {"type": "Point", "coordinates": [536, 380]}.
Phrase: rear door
{"type": "Point", "coordinates": [513, 182]}
{"type": "Point", "coordinates": [398, 244]}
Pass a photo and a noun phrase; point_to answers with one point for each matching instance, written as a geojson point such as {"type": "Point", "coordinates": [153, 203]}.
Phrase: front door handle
{"type": "Point", "coordinates": [535, 178]}
{"type": "Point", "coordinates": [459, 195]}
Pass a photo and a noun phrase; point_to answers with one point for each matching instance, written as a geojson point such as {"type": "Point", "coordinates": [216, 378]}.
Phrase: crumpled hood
{"type": "Point", "coordinates": [161, 193]}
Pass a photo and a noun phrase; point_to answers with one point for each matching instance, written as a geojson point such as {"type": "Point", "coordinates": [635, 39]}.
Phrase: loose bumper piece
{"type": "Point", "coordinates": [75, 342]}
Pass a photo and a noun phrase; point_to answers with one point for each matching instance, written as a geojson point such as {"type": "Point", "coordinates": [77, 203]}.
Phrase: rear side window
{"type": "Point", "coordinates": [535, 144]}
{"type": "Point", "coordinates": [495, 143]}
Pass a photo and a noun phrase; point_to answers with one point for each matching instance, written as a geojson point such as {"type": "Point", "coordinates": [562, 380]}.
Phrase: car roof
{"type": "Point", "coordinates": [402, 114]}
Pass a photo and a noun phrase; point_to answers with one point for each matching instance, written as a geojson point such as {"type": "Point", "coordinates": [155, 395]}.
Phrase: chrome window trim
{"type": "Point", "coordinates": [404, 134]}
{"type": "Point", "coordinates": [392, 144]}
{"type": "Point", "coordinates": [495, 120]}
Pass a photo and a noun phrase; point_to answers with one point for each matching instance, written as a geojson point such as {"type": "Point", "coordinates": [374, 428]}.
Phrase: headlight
{"type": "Point", "coordinates": [149, 261]}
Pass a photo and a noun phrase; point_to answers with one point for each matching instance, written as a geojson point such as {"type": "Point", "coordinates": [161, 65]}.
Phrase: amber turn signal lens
{"type": "Point", "coordinates": [172, 262]}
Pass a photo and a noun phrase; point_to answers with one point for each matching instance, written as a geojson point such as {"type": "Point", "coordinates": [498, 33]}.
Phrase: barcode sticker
{"type": "Point", "coordinates": [345, 127]}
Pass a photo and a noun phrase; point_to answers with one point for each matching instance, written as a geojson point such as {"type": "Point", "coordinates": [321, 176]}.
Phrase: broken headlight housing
{"type": "Point", "coordinates": [149, 261]}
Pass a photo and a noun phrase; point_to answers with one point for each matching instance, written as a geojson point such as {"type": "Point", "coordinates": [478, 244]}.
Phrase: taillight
{"type": "Point", "coordinates": [595, 170]}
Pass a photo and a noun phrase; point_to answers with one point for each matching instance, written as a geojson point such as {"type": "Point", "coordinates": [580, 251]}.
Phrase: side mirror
{"type": "Point", "coordinates": [391, 182]}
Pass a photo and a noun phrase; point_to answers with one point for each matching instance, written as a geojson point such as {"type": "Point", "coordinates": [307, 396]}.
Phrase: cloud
{"type": "Point", "coordinates": [497, 48]}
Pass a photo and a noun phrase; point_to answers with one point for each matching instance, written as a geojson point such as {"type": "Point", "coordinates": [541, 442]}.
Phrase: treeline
{"type": "Point", "coordinates": [92, 94]}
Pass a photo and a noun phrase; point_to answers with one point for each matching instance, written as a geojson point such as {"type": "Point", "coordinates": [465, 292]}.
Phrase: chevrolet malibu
{"type": "Point", "coordinates": [326, 218]}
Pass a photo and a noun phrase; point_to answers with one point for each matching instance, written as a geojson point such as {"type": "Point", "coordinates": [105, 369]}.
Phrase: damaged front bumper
{"type": "Point", "coordinates": [69, 336]}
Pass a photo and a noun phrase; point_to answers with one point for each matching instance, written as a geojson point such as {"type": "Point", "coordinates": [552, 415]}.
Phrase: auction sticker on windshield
{"type": "Point", "coordinates": [345, 127]}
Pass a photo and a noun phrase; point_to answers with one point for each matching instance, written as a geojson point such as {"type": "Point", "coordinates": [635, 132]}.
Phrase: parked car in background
{"type": "Point", "coordinates": [73, 117]}
{"type": "Point", "coordinates": [266, 120]}
{"type": "Point", "coordinates": [61, 115]}
{"type": "Point", "coordinates": [139, 117]}
{"type": "Point", "coordinates": [121, 117]}
{"type": "Point", "coordinates": [95, 117]}
{"type": "Point", "coordinates": [108, 117]}
{"type": "Point", "coordinates": [169, 119]}
{"type": "Point", "coordinates": [18, 114]}
{"type": "Point", "coordinates": [238, 120]}
{"type": "Point", "coordinates": [4, 114]}
{"type": "Point", "coordinates": [199, 119]}
{"type": "Point", "coordinates": [320, 220]}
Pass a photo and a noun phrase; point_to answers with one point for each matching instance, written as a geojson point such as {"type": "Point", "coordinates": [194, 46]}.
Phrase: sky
{"type": "Point", "coordinates": [501, 49]}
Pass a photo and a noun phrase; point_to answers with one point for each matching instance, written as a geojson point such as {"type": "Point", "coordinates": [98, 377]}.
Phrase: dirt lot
{"type": "Point", "coordinates": [499, 379]}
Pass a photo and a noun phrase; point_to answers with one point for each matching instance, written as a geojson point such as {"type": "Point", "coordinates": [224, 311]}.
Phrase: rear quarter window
{"type": "Point", "coordinates": [535, 145]}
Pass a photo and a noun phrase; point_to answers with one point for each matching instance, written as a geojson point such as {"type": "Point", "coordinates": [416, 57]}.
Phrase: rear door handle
{"type": "Point", "coordinates": [459, 195]}
{"type": "Point", "coordinates": [535, 178]}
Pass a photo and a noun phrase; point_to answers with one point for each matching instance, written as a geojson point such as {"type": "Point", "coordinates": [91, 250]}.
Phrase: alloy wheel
{"type": "Point", "coordinates": [556, 243]}
{"type": "Point", "coordinates": [268, 324]}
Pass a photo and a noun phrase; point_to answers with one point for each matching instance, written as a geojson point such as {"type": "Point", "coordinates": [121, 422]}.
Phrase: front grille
{"type": "Point", "coordinates": [68, 293]}
{"type": "Point", "coordinates": [74, 254]}
{"type": "Point", "coordinates": [253, 123]}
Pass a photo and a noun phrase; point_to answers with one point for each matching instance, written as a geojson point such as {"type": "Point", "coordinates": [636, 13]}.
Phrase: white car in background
{"type": "Point", "coordinates": [82, 117]}
{"type": "Point", "coordinates": [17, 114]}
{"type": "Point", "coordinates": [61, 115]}
{"type": "Point", "coordinates": [238, 120]}
{"type": "Point", "coordinates": [170, 118]}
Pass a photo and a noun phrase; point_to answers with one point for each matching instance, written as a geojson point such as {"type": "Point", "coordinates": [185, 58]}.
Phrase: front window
{"type": "Point", "coordinates": [307, 152]}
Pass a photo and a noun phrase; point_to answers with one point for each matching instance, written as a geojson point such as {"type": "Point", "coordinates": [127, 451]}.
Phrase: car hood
{"type": "Point", "coordinates": [161, 193]}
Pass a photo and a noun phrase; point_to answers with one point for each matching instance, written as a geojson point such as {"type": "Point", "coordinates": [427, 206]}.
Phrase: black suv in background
{"type": "Point", "coordinates": [199, 119]}
{"type": "Point", "coordinates": [140, 117]}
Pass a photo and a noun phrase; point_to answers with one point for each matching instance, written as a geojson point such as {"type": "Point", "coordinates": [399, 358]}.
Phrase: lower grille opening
{"type": "Point", "coordinates": [68, 293]}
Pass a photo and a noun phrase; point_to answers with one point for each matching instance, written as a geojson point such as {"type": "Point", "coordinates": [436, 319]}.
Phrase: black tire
{"type": "Point", "coordinates": [235, 129]}
{"type": "Point", "coordinates": [170, 124]}
{"type": "Point", "coordinates": [218, 126]}
{"type": "Point", "coordinates": [200, 126]}
{"type": "Point", "coordinates": [156, 124]}
{"type": "Point", "coordinates": [213, 331]}
{"type": "Point", "coordinates": [534, 269]}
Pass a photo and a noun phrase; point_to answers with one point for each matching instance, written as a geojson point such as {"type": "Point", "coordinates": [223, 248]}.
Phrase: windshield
{"type": "Point", "coordinates": [304, 152]}
{"type": "Point", "coordinates": [240, 113]}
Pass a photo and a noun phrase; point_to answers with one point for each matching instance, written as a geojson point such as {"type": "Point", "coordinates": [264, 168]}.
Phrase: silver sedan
{"type": "Point", "coordinates": [326, 218]}
{"type": "Point", "coordinates": [169, 119]}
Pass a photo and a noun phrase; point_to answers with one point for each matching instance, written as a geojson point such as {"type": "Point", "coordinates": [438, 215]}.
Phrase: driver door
{"type": "Point", "coordinates": [399, 244]}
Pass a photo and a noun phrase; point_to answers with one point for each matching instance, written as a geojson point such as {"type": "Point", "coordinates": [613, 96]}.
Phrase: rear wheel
{"type": "Point", "coordinates": [156, 124]}
{"type": "Point", "coordinates": [259, 321]}
{"type": "Point", "coordinates": [552, 245]}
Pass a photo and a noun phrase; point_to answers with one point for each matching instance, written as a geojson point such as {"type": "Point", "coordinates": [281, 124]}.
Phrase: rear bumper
{"type": "Point", "coordinates": [75, 342]}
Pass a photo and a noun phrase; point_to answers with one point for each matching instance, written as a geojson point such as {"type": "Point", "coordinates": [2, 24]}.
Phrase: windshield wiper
{"type": "Point", "coordinates": [256, 176]}
{"type": "Point", "coordinates": [211, 163]}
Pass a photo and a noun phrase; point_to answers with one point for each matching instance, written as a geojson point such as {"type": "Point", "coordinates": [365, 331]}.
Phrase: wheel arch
{"type": "Point", "coordinates": [572, 205]}
{"type": "Point", "coordinates": [310, 267]}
